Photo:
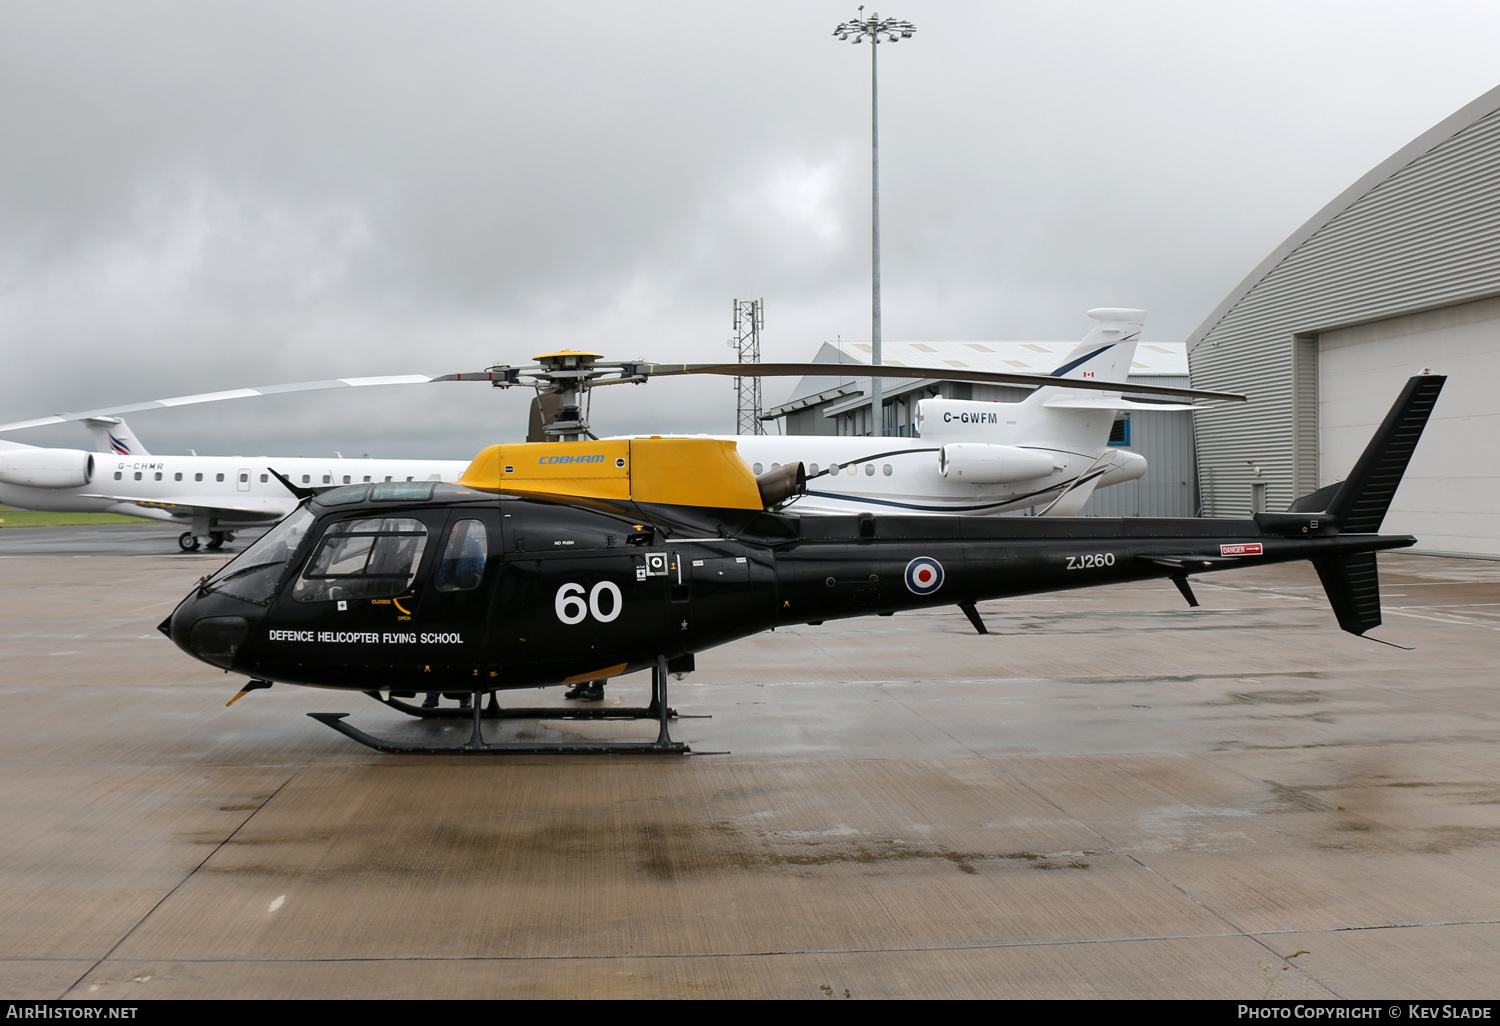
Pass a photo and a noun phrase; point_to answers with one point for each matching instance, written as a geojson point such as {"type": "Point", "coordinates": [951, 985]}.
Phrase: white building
{"type": "Point", "coordinates": [1400, 273]}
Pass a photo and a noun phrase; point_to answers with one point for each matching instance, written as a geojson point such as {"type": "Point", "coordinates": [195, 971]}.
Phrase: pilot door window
{"type": "Point", "coordinates": [462, 567]}
{"type": "Point", "coordinates": [361, 559]}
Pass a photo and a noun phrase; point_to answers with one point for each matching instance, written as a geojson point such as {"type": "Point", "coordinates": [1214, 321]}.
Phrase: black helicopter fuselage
{"type": "Point", "coordinates": [441, 588]}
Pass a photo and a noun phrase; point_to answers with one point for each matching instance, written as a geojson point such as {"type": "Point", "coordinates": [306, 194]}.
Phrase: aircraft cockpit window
{"type": "Point", "coordinates": [402, 491]}
{"type": "Point", "coordinates": [361, 559]}
{"type": "Point", "coordinates": [342, 496]}
{"type": "Point", "coordinates": [253, 574]}
{"type": "Point", "coordinates": [462, 567]}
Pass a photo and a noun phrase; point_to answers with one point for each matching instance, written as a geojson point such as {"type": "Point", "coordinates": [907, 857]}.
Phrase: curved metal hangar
{"type": "Point", "coordinates": [1400, 272]}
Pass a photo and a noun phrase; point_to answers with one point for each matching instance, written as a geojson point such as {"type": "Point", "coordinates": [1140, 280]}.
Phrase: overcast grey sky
{"type": "Point", "coordinates": [198, 196]}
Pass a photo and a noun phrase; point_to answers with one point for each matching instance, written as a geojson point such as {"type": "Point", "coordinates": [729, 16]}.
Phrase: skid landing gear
{"type": "Point", "coordinates": [476, 745]}
{"type": "Point", "coordinates": [493, 711]}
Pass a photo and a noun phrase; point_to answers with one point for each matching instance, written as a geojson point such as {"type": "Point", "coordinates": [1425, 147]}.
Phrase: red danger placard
{"type": "Point", "coordinates": [1243, 549]}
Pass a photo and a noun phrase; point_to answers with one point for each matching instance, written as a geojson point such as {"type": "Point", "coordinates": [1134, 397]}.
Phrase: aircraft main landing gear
{"type": "Point", "coordinates": [477, 745]}
{"type": "Point", "coordinates": [216, 540]}
{"type": "Point", "coordinates": [187, 541]}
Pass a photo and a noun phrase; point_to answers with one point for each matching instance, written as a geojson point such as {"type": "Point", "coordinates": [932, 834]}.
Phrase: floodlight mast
{"type": "Point", "coordinates": [893, 30]}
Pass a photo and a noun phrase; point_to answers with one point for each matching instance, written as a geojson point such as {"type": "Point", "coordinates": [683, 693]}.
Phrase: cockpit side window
{"type": "Point", "coordinates": [462, 567]}
{"type": "Point", "coordinates": [361, 559]}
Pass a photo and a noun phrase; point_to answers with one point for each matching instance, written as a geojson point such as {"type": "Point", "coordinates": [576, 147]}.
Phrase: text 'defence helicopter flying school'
{"type": "Point", "coordinates": [557, 563]}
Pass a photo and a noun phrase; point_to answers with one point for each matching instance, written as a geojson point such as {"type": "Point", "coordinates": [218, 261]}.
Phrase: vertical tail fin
{"type": "Point", "coordinates": [1353, 588]}
{"type": "Point", "coordinates": [1360, 504]}
{"type": "Point", "coordinates": [1104, 354]}
{"type": "Point", "coordinates": [111, 434]}
{"type": "Point", "coordinates": [1107, 350]}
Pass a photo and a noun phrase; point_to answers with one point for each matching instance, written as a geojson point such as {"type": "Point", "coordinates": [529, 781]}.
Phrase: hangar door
{"type": "Point", "coordinates": [1450, 497]}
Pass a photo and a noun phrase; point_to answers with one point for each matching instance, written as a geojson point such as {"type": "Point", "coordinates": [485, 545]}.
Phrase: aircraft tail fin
{"type": "Point", "coordinates": [1353, 587]}
{"type": "Point", "coordinates": [111, 434]}
{"type": "Point", "coordinates": [1106, 351]}
{"type": "Point", "coordinates": [1359, 503]}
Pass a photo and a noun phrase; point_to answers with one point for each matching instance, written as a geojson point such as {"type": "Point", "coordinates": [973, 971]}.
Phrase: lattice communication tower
{"type": "Point", "coordinates": [749, 318]}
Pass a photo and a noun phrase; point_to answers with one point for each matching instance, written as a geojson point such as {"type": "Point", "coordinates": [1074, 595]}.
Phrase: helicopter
{"type": "Point", "coordinates": [553, 564]}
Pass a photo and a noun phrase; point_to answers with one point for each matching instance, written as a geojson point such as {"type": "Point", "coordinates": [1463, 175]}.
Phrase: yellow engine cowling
{"type": "Point", "coordinates": [670, 471]}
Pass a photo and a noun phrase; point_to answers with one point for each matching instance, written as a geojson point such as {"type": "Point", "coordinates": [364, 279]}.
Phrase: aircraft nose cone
{"type": "Point", "coordinates": [217, 639]}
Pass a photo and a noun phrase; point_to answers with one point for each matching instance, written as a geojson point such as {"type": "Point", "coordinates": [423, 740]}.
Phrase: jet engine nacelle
{"type": "Point", "coordinates": [978, 463]}
{"type": "Point", "coordinates": [1125, 466]}
{"type": "Point", "coordinates": [46, 468]}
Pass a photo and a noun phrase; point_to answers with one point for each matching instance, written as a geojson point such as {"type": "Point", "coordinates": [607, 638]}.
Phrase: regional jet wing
{"type": "Point", "coordinates": [263, 511]}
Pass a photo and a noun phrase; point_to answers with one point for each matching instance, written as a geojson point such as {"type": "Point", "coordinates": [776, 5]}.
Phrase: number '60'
{"type": "Point", "coordinates": [572, 609]}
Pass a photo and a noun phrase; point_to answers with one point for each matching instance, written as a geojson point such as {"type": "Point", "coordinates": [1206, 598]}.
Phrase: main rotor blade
{"type": "Point", "coordinates": [213, 397]}
{"type": "Point", "coordinates": [866, 370]}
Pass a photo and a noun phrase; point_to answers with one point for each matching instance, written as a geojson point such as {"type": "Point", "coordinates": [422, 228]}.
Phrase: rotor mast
{"type": "Point", "coordinates": [569, 373]}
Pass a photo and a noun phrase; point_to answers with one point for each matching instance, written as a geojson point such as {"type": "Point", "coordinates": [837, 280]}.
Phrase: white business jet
{"type": "Point", "coordinates": [1050, 450]}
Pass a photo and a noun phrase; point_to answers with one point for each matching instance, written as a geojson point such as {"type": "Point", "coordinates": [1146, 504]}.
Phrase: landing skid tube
{"type": "Point", "coordinates": [477, 745]}
{"type": "Point", "coordinates": [493, 711]}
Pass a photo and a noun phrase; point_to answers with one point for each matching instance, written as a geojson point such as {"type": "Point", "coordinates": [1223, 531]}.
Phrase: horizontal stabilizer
{"type": "Point", "coordinates": [1106, 403]}
{"type": "Point", "coordinates": [1353, 588]}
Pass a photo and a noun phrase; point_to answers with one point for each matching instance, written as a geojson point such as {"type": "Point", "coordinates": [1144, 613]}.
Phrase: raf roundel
{"type": "Point", "coordinates": [924, 575]}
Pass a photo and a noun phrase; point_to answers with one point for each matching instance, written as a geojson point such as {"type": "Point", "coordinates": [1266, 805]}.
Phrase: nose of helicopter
{"type": "Point", "coordinates": [215, 639]}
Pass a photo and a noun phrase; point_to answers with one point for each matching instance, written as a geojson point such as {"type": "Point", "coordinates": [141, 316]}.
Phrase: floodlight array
{"type": "Point", "coordinates": [873, 28]}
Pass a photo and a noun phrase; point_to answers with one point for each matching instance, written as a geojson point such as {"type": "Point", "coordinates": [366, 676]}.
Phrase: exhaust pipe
{"type": "Point", "coordinates": [777, 486]}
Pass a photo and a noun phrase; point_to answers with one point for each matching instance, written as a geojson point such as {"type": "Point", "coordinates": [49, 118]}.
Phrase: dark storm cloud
{"type": "Point", "coordinates": [197, 196]}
